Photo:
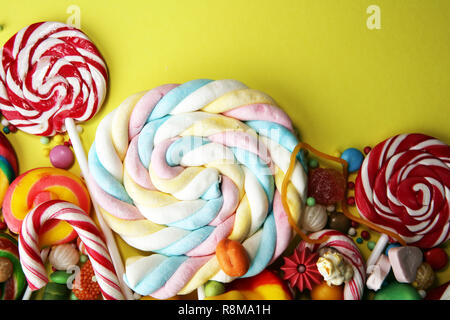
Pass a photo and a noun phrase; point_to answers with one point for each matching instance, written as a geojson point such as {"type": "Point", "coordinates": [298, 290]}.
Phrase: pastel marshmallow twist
{"type": "Point", "coordinates": [178, 168]}
{"type": "Point", "coordinates": [404, 186]}
{"type": "Point", "coordinates": [50, 71]}
{"type": "Point", "coordinates": [353, 289]}
{"type": "Point", "coordinates": [29, 251]}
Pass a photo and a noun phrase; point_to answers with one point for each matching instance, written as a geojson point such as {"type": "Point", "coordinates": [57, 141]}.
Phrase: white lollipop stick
{"type": "Point", "coordinates": [110, 241]}
{"type": "Point", "coordinates": [376, 252]}
{"type": "Point", "coordinates": [201, 292]}
{"type": "Point", "coordinates": [28, 291]}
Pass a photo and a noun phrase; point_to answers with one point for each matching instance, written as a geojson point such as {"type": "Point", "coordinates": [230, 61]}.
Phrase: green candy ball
{"type": "Point", "coordinates": [397, 291]}
{"type": "Point", "coordinates": [83, 258]}
{"type": "Point", "coordinates": [313, 163]}
{"type": "Point", "coordinates": [310, 202]}
{"type": "Point", "coordinates": [214, 288]}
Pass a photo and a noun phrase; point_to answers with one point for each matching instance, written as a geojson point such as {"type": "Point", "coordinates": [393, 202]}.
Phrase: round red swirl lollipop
{"type": "Point", "coordinates": [404, 186]}
{"type": "Point", "coordinates": [49, 72]}
{"type": "Point", "coordinates": [51, 76]}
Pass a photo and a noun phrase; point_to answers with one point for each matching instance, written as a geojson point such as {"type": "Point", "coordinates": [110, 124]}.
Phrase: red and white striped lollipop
{"type": "Point", "coordinates": [87, 230]}
{"type": "Point", "coordinates": [404, 186]}
{"type": "Point", "coordinates": [50, 71]}
{"type": "Point", "coordinates": [353, 289]}
{"type": "Point", "coordinates": [51, 76]}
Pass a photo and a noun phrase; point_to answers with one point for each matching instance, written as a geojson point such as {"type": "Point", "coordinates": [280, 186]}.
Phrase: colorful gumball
{"type": "Point", "coordinates": [40, 185]}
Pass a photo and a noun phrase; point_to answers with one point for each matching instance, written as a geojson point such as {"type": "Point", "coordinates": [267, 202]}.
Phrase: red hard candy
{"type": "Point", "coordinates": [437, 258]}
{"type": "Point", "coordinates": [326, 185]}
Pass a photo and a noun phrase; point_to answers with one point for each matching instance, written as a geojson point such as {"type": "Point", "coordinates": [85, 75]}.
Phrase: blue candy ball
{"type": "Point", "coordinates": [354, 158]}
{"type": "Point", "coordinates": [390, 246]}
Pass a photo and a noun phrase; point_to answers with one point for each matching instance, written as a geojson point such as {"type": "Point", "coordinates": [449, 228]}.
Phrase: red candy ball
{"type": "Point", "coordinates": [365, 235]}
{"type": "Point", "coordinates": [350, 185]}
{"type": "Point", "coordinates": [61, 157]}
{"type": "Point", "coordinates": [437, 258]}
{"type": "Point", "coordinates": [351, 201]}
{"type": "Point", "coordinates": [367, 150]}
{"type": "Point", "coordinates": [326, 185]}
{"type": "Point", "coordinates": [2, 225]}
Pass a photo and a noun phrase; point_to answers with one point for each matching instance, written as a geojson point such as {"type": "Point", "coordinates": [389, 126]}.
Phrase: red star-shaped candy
{"type": "Point", "coordinates": [301, 270]}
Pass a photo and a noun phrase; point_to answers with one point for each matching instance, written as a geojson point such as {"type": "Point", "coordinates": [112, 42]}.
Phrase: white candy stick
{"type": "Point", "coordinates": [109, 237]}
{"type": "Point", "coordinates": [28, 292]}
{"type": "Point", "coordinates": [376, 252]}
{"type": "Point", "coordinates": [201, 292]}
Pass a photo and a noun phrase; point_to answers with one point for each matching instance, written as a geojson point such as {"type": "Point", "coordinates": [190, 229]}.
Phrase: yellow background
{"type": "Point", "coordinates": [342, 84]}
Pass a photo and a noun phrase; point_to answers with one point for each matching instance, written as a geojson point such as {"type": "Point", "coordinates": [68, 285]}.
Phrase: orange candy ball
{"type": "Point", "coordinates": [323, 291]}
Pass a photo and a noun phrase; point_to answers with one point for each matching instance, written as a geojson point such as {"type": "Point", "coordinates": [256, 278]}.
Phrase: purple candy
{"type": "Point", "coordinates": [61, 157]}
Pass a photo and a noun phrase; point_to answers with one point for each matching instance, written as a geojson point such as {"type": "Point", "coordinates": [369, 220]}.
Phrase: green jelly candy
{"type": "Point", "coordinates": [397, 291]}
{"type": "Point", "coordinates": [56, 291]}
{"type": "Point", "coordinates": [60, 277]}
{"type": "Point", "coordinates": [214, 288]}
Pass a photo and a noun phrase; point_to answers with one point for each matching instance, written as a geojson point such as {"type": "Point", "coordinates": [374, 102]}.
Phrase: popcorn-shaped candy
{"type": "Point", "coordinates": [334, 269]}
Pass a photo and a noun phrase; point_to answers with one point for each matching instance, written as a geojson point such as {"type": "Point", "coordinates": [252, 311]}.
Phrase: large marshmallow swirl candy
{"type": "Point", "coordinates": [404, 186]}
{"type": "Point", "coordinates": [178, 168]}
{"type": "Point", "coordinates": [50, 71]}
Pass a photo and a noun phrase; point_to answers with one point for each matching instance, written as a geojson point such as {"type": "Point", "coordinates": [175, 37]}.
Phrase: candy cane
{"type": "Point", "coordinates": [89, 234]}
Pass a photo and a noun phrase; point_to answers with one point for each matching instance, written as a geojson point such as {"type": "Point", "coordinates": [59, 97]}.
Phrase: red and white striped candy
{"type": "Point", "coordinates": [404, 186]}
{"type": "Point", "coordinates": [353, 289]}
{"type": "Point", "coordinates": [50, 71]}
{"type": "Point", "coordinates": [29, 252]}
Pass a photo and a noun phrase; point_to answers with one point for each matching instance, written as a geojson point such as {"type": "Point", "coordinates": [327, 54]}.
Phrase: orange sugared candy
{"type": "Point", "coordinates": [233, 258]}
{"type": "Point", "coordinates": [323, 291]}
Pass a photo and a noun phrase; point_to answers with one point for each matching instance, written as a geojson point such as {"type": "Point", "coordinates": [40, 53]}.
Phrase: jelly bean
{"type": "Point", "coordinates": [359, 240]}
{"type": "Point", "coordinates": [354, 158]}
{"type": "Point", "coordinates": [6, 130]}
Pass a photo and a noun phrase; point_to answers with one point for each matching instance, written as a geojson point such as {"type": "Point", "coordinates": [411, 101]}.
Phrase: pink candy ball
{"type": "Point", "coordinates": [61, 157]}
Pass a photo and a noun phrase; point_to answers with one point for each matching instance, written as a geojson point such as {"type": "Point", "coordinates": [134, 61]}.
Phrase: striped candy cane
{"type": "Point", "coordinates": [89, 234]}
